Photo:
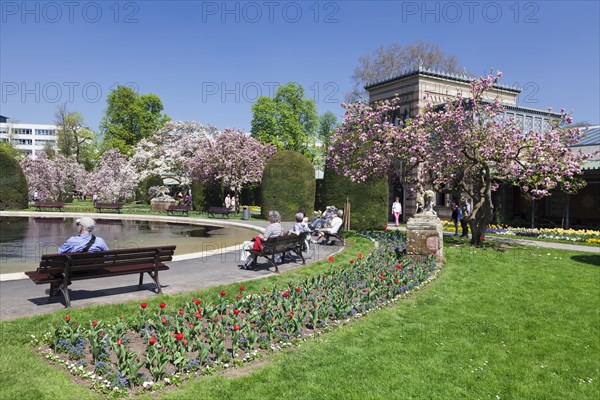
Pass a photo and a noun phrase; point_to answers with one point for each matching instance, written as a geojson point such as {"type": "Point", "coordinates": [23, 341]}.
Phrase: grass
{"type": "Point", "coordinates": [516, 323]}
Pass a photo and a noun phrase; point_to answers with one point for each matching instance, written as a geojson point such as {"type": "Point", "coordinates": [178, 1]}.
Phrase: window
{"type": "Point", "coordinates": [23, 142]}
{"type": "Point", "coordinates": [21, 131]}
{"type": "Point", "coordinates": [47, 132]}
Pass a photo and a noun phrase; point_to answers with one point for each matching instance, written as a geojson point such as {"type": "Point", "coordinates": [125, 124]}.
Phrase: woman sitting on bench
{"type": "Point", "coordinates": [273, 230]}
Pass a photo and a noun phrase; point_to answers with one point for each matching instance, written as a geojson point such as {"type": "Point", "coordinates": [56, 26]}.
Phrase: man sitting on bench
{"type": "Point", "coordinates": [84, 241]}
{"type": "Point", "coordinates": [336, 224]}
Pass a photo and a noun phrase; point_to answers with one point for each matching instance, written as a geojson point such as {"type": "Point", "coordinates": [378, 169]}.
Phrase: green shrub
{"type": "Point", "coordinates": [368, 201]}
{"type": "Point", "coordinates": [288, 185]}
{"type": "Point", "coordinates": [13, 185]}
{"type": "Point", "coordinates": [206, 195]}
{"type": "Point", "coordinates": [141, 193]}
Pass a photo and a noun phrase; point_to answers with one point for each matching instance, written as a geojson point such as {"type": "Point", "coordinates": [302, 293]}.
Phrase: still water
{"type": "Point", "coordinates": [23, 240]}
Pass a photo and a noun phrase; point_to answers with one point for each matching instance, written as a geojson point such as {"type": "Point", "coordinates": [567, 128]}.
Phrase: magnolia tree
{"type": "Point", "coordinates": [171, 150]}
{"type": "Point", "coordinates": [114, 178]}
{"type": "Point", "coordinates": [467, 147]}
{"type": "Point", "coordinates": [53, 179]}
{"type": "Point", "coordinates": [233, 158]}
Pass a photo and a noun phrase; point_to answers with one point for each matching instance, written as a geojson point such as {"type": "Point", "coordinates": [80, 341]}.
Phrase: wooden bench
{"type": "Point", "coordinates": [59, 270]}
{"type": "Point", "coordinates": [223, 211]}
{"type": "Point", "coordinates": [178, 209]}
{"type": "Point", "coordinates": [49, 204]}
{"type": "Point", "coordinates": [278, 245]}
{"type": "Point", "coordinates": [337, 235]}
{"type": "Point", "coordinates": [108, 206]}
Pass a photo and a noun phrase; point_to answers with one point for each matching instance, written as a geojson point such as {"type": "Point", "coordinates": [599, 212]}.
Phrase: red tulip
{"type": "Point", "coordinates": [331, 259]}
{"type": "Point", "coordinates": [181, 311]}
{"type": "Point", "coordinates": [396, 281]}
{"type": "Point", "coordinates": [94, 323]}
{"type": "Point", "coordinates": [298, 289]}
{"type": "Point", "coordinates": [291, 315]}
{"type": "Point", "coordinates": [144, 305]}
{"type": "Point", "coordinates": [164, 320]}
{"type": "Point", "coordinates": [198, 315]}
{"type": "Point", "coordinates": [236, 327]}
{"type": "Point", "coordinates": [242, 288]}
{"type": "Point", "coordinates": [222, 293]}
{"type": "Point", "coordinates": [399, 267]}
{"type": "Point", "coordinates": [162, 305]}
{"type": "Point", "coordinates": [179, 336]}
{"type": "Point", "coordinates": [197, 302]}
{"type": "Point", "coordinates": [236, 311]}
{"type": "Point", "coordinates": [67, 318]}
{"type": "Point", "coordinates": [153, 340]}
{"type": "Point", "coordinates": [120, 341]}
{"type": "Point", "coordinates": [286, 294]}
{"type": "Point", "coordinates": [239, 296]}
{"type": "Point", "coordinates": [359, 256]}
{"type": "Point", "coordinates": [351, 261]}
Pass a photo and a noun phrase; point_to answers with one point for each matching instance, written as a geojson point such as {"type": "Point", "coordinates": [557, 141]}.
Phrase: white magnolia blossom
{"type": "Point", "coordinates": [171, 150]}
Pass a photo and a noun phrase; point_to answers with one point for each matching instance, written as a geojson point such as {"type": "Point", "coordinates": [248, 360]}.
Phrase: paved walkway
{"type": "Point", "coordinates": [21, 297]}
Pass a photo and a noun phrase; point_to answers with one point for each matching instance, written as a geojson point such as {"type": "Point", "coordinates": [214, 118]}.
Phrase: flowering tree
{"type": "Point", "coordinates": [171, 149]}
{"type": "Point", "coordinates": [465, 147]}
{"type": "Point", "coordinates": [114, 178]}
{"type": "Point", "coordinates": [55, 178]}
{"type": "Point", "coordinates": [232, 157]}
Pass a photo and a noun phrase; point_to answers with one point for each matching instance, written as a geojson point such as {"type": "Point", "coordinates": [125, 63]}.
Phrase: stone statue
{"type": "Point", "coordinates": [420, 202]}
{"type": "Point", "coordinates": [429, 202]}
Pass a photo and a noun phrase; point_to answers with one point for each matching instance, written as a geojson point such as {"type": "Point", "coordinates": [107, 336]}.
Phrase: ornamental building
{"type": "Point", "coordinates": [416, 87]}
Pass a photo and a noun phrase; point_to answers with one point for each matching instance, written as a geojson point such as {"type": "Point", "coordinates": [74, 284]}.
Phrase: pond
{"type": "Point", "coordinates": [23, 240]}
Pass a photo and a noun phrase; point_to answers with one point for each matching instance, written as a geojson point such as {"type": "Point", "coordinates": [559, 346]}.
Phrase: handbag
{"type": "Point", "coordinates": [257, 243]}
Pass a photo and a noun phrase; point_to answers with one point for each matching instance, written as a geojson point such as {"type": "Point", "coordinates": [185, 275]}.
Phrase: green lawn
{"type": "Point", "coordinates": [519, 323]}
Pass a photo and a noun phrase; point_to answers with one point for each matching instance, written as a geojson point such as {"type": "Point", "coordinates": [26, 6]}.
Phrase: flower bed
{"type": "Point", "coordinates": [169, 343]}
{"type": "Point", "coordinates": [570, 235]}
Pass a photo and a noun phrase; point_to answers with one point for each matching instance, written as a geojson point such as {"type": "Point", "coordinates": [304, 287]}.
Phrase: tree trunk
{"type": "Point", "coordinates": [482, 214]}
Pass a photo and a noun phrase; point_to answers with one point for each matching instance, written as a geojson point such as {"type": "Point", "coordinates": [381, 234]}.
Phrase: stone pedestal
{"type": "Point", "coordinates": [424, 236]}
{"type": "Point", "coordinates": [162, 204]}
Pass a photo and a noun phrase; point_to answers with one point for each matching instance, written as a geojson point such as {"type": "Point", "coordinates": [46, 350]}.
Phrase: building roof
{"type": "Point", "coordinates": [436, 74]}
{"type": "Point", "coordinates": [591, 136]}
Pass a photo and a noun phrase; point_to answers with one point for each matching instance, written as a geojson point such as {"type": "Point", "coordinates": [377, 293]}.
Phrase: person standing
{"type": "Point", "coordinates": [227, 202]}
{"type": "Point", "coordinates": [397, 210]}
{"type": "Point", "coordinates": [456, 216]}
{"type": "Point", "coordinates": [233, 202]}
{"type": "Point", "coordinates": [466, 210]}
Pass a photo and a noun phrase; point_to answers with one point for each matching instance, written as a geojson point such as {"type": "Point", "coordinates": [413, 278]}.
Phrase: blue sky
{"type": "Point", "coordinates": [209, 61]}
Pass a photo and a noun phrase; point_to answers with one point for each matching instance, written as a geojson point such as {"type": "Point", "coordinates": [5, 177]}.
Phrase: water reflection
{"type": "Point", "coordinates": [24, 240]}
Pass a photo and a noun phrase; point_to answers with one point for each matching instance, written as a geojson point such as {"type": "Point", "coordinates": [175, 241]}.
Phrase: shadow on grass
{"type": "Point", "coordinates": [592, 259]}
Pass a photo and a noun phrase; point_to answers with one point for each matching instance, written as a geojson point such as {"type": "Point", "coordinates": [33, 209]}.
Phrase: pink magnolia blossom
{"type": "Point", "coordinates": [232, 157]}
{"type": "Point", "coordinates": [114, 179]}
{"type": "Point", "coordinates": [53, 179]}
{"type": "Point", "coordinates": [467, 146]}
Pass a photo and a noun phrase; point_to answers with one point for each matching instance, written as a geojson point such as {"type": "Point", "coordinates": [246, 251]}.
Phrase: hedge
{"type": "Point", "coordinates": [368, 201]}
{"type": "Point", "coordinates": [288, 185]}
{"type": "Point", "coordinates": [206, 195]}
{"type": "Point", "coordinates": [13, 184]}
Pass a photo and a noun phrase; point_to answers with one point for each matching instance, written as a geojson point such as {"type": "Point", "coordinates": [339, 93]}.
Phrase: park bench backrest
{"type": "Point", "coordinates": [102, 259]}
{"type": "Point", "coordinates": [280, 244]}
{"type": "Point", "coordinates": [49, 203]}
